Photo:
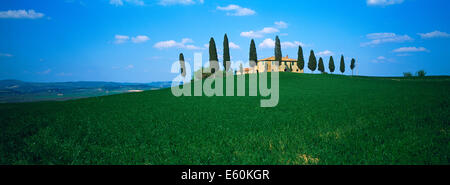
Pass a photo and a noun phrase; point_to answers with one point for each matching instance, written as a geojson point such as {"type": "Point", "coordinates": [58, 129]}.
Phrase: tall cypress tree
{"type": "Point", "coordinates": [226, 53]}
{"type": "Point", "coordinates": [300, 59]}
{"type": "Point", "coordinates": [352, 65]}
{"type": "Point", "coordinates": [241, 69]}
{"type": "Point", "coordinates": [321, 66]}
{"type": "Point", "coordinates": [213, 56]}
{"type": "Point", "coordinates": [182, 65]}
{"type": "Point", "coordinates": [331, 64]}
{"type": "Point", "coordinates": [342, 64]}
{"type": "Point", "coordinates": [253, 56]}
{"type": "Point", "coordinates": [278, 55]}
{"type": "Point", "coordinates": [312, 63]}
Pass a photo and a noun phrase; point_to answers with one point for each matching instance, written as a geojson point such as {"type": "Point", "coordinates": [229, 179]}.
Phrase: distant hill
{"type": "Point", "coordinates": [20, 91]}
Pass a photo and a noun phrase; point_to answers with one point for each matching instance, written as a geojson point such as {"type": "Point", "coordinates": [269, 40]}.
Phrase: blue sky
{"type": "Point", "coordinates": [138, 40]}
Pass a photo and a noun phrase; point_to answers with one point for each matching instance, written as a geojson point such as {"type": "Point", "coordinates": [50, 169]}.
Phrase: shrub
{"type": "Point", "coordinates": [199, 74]}
{"type": "Point", "coordinates": [407, 74]}
{"type": "Point", "coordinates": [421, 73]}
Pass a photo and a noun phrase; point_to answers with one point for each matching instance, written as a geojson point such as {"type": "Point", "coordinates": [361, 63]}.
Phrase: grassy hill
{"type": "Point", "coordinates": [320, 119]}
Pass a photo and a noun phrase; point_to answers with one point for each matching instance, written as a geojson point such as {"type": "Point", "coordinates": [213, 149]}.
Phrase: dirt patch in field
{"type": "Point", "coordinates": [308, 159]}
{"type": "Point", "coordinates": [333, 135]}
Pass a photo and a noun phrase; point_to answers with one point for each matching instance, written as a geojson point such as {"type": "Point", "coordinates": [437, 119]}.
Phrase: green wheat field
{"type": "Point", "coordinates": [320, 119]}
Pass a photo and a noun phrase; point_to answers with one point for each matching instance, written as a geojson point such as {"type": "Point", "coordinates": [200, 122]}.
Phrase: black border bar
{"type": "Point", "coordinates": [172, 174]}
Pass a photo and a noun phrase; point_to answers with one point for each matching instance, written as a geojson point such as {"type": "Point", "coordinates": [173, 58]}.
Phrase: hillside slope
{"type": "Point", "coordinates": [320, 119]}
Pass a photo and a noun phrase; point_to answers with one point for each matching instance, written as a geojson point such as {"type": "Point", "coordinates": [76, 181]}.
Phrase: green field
{"type": "Point", "coordinates": [320, 119]}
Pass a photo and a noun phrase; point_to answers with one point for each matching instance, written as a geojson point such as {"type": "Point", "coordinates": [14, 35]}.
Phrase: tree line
{"type": "Point", "coordinates": [253, 58]}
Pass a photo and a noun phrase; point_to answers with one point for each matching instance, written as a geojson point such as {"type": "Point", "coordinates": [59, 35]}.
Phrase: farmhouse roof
{"type": "Point", "coordinates": [284, 59]}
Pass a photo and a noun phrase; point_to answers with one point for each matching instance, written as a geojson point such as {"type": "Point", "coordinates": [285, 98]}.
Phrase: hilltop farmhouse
{"type": "Point", "coordinates": [268, 65]}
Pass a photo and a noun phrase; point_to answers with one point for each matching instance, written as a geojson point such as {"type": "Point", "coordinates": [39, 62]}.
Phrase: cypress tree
{"type": "Point", "coordinates": [300, 59]}
{"type": "Point", "coordinates": [342, 64]}
{"type": "Point", "coordinates": [352, 65]}
{"type": "Point", "coordinates": [226, 53]}
{"type": "Point", "coordinates": [182, 65]}
{"type": "Point", "coordinates": [241, 68]}
{"type": "Point", "coordinates": [321, 66]}
{"type": "Point", "coordinates": [312, 63]}
{"type": "Point", "coordinates": [253, 56]}
{"type": "Point", "coordinates": [213, 56]}
{"type": "Point", "coordinates": [278, 55]}
{"type": "Point", "coordinates": [331, 64]}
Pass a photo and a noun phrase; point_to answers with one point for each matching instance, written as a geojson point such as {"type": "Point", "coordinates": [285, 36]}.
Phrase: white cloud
{"type": "Point", "coordinates": [281, 24]}
{"type": "Point", "coordinates": [382, 59]}
{"type": "Point", "coordinates": [383, 2]}
{"type": "Point", "coordinates": [140, 39]}
{"type": "Point", "coordinates": [121, 39]}
{"type": "Point", "coordinates": [5, 55]}
{"type": "Point", "coordinates": [235, 10]}
{"type": "Point", "coordinates": [21, 14]}
{"type": "Point", "coordinates": [434, 34]}
{"type": "Point", "coordinates": [260, 33]}
{"type": "Point", "coordinates": [266, 30]}
{"type": "Point", "coordinates": [192, 47]}
{"type": "Point", "coordinates": [252, 34]}
{"type": "Point", "coordinates": [410, 49]}
{"type": "Point", "coordinates": [167, 44]}
{"type": "Point", "coordinates": [186, 40]}
{"type": "Point", "coordinates": [233, 45]}
{"type": "Point", "coordinates": [291, 44]}
{"type": "Point", "coordinates": [325, 53]}
{"type": "Point", "coordinates": [380, 38]}
{"type": "Point", "coordinates": [380, 35]}
{"type": "Point", "coordinates": [269, 43]}
{"type": "Point", "coordinates": [121, 2]}
{"type": "Point", "coordinates": [172, 43]}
